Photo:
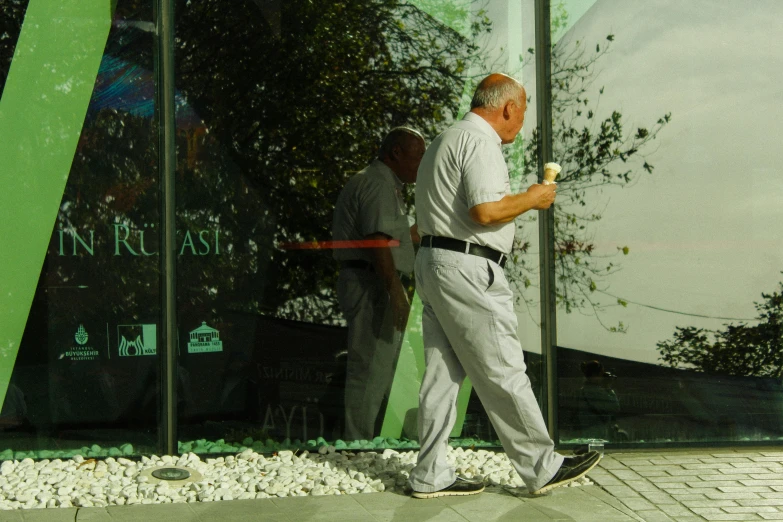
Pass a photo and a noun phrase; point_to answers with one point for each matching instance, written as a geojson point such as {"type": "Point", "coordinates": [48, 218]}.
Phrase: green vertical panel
{"type": "Point", "coordinates": [42, 112]}
{"type": "Point", "coordinates": [404, 394]}
{"type": "Point", "coordinates": [462, 407]}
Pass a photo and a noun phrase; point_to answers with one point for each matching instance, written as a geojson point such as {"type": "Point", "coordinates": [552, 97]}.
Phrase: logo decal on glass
{"type": "Point", "coordinates": [205, 339]}
{"type": "Point", "coordinates": [137, 339]}
{"type": "Point", "coordinates": [81, 335]}
{"type": "Point", "coordinates": [80, 352]}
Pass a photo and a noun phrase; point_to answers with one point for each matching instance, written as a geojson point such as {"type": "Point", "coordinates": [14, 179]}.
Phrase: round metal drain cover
{"type": "Point", "coordinates": [171, 474]}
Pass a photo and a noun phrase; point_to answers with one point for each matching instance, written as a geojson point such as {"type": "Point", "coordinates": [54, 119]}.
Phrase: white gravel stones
{"type": "Point", "coordinates": [78, 482]}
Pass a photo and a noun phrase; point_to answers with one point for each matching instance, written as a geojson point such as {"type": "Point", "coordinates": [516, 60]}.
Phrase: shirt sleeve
{"type": "Point", "coordinates": [484, 173]}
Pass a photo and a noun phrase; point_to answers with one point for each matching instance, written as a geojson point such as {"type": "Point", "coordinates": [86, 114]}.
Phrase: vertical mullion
{"type": "Point", "coordinates": [164, 69]}
{"type": "Point", "coordinates": [546, 221]}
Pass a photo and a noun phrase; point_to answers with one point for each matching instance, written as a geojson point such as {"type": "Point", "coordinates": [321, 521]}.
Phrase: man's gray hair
{"type": "Point", "coordinates": [397, 136]}
{"type": "Point", "coordinates": [494, 95]}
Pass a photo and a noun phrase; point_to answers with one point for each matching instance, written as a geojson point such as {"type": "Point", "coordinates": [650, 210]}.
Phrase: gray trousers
{"type": "Point", "coordinates": [373, 347]}
{"type": "Point", "coordinates": [470, 328]}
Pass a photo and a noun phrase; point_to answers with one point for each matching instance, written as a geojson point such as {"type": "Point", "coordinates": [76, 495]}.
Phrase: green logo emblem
{"type": "Point", "coordinates": [137, 339]}
{"type": "Point", "coordinates": [81, 335]}
{"type": "Point", "coordinates": [80, 352]}
{"type": "Point", "coordinates": [205, 339]}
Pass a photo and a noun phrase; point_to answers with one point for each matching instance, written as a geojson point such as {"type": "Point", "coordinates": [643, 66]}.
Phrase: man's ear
{"type": "Point", "coordinates": [507, 110]}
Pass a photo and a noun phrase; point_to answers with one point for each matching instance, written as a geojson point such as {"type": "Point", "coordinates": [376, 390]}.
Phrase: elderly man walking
{"type": "Point", "coordinates": [465, 214]}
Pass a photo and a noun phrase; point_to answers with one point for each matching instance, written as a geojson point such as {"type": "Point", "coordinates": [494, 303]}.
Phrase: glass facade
{"type": "Point", "coordinates": [660, 253]}
{"type": "Point", "coordinates": [681, 250]}
{"type": "Point", "coordinates": [80, 137]}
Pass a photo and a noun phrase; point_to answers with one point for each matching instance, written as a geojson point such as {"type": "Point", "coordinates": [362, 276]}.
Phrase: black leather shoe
{"type": "Point", "coordinates": [573, 468]}
{"type": "Point", "coordinates": [460, 487]}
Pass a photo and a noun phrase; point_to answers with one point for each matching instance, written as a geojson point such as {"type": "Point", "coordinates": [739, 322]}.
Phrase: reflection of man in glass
{"type": "Point", "coordinates": [370, 209]}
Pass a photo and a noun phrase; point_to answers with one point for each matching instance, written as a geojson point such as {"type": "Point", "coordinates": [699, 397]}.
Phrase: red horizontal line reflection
{"type": "Point", "coordinates": [323, 245]}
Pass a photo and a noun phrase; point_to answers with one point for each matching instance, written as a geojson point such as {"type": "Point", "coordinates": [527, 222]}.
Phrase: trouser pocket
{"type": "Point", "coordinates": [491, 276]}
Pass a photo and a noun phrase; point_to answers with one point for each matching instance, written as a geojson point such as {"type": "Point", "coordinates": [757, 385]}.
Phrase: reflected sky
{"type": "Point", "coordinates": [703, 228]}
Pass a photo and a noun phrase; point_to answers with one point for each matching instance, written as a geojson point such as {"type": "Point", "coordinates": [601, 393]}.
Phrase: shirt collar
{"type": "Point", "coordinates": [483, 126]}
{"type": "Point", "coordinates": [385, 168]}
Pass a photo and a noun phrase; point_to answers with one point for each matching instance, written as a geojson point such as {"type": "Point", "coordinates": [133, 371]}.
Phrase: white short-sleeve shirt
{"type": "Point", "coordinates": [462, 168]}
{"type": "Point", "coordinates": [371, 202]}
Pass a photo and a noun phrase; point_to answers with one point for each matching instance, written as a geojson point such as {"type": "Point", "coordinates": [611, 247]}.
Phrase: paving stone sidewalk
{"type": "Point", "coordinates": [691, 486]}
{"type": "Point", "coordinates": [582, 504]}
{"type": "Point", "coordinates": [653, 486]}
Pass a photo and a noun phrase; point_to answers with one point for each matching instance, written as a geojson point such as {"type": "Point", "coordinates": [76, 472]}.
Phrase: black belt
{"type": "Point", "coordinates": [358, 264]}
{"type": "Point", "coordinates": [448, 243]}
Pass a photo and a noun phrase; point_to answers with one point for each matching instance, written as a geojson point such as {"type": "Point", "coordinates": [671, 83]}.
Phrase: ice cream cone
{"type": "Point", "coordinates": [551, 170]}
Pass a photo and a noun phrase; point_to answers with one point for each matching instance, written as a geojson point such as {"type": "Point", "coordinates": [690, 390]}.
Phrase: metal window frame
{"type": "Point", "coordinates": [546, 218]}
{"type": "Point", "coordinates": [167, 166]}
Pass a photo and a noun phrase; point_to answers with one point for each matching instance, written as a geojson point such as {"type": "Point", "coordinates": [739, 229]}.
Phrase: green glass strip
{"type": "Point", "coordinates": [404, 394]}
{"type": "Point", "coordinates": [42, 111]}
